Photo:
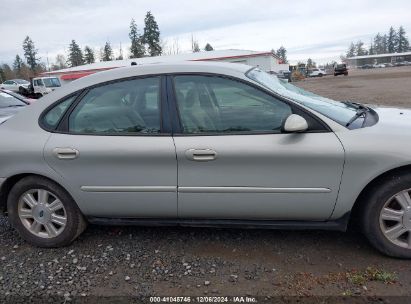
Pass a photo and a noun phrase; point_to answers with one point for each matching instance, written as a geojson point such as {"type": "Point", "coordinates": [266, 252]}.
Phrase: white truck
{"type": "Point", "coordinates": [40, 86]}
{"type": "Point", "coordinates": [45, 85]}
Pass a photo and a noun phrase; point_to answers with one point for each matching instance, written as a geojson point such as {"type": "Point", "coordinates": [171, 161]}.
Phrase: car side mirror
{"type": "Point", "coordinates": [294, 124]}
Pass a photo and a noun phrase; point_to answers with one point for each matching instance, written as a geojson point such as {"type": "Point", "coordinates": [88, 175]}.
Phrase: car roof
{"type": "Point", "coordinates": [44, 77]}
{"type": "Point", "coordinates": [164, 68]}
{"type": "Point", "coordinates": [19, 79]}
{"type": "Point", "coordinates": [230, 69]}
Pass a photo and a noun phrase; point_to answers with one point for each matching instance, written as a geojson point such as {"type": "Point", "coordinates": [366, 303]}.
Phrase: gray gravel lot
{"type": "Point", "coordinates": [138, 261]}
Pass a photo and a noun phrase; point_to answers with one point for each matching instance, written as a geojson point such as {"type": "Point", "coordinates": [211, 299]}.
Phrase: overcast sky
{"type": "Point", "coordinates": [318, 29]}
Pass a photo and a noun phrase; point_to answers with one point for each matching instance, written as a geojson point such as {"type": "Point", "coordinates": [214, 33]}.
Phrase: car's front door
{"type": "Point", "coordinates": [113, 151]}
{"type": "Point", "coordinates": [235, 163]}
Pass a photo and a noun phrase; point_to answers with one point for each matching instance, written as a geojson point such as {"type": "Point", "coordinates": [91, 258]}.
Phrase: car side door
{"type": "Point", "coordinates": [116, 160]}
{"type": "Point", "coordinates": [234, 161]}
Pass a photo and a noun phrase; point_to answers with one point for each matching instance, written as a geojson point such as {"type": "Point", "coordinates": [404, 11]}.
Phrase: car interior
{"type": "Point", "coordinates": [129, 106]}
{"type": "Point", "coordinates": [212, 104]}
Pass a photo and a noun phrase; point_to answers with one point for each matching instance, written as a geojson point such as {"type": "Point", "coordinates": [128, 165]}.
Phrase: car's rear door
{"type": "Point", "coordinates": [114, 152]}
{"type": "Point", "coordinates": [235, 163]}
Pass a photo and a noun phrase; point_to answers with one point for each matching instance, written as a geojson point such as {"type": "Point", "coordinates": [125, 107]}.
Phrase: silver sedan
{"type": "Point", "coordinates": [204, 144]}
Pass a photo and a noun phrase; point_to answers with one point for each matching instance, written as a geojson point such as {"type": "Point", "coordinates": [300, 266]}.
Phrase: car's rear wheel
{"type": "Point", "coordinates": [387, 216]}
{"type": "Point", "coordinates": [43, 213]}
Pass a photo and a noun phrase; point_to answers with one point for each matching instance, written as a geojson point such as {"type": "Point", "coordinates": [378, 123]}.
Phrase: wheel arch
{"type": "Point", "coordinates": [8, 184]}
{"type": "Point", "coordinates": [358, 204]}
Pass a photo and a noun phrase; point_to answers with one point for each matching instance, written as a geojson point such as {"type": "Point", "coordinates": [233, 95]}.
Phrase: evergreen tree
{"type": "Point", "coordinates": [359, 49]}
{"type": "Point", "coordinates": [89, 55]}
{"type": "Point", "coordinates": [351, 50]}
{"type": "Point", "coordinates": [137, 49]}
{"type": "Point", "coordinates": [380, 44]}
{"type": "Point", "coordinates": [152, 35]}
{"type": "Point", "coordinates": [107, 53]}
{"type": "Point", "coordinates": [402, 43]}
{"type": "Point", "coordinates": [17, 65]}
{"type": "Point", "coordinates": [208, 47]}
{"type": "Point", "coordinates": [75, 57]}
{"type": "Point", "coordinates": [384, 44]}
{"type": "Point", "coordinates": [30, 53]}
{"type": "Point", "coordinates": [391, 40]}
{"type": "Point", "coordinates": [371, 50]}
{"type": "Point", "coordinates": [282, 54]}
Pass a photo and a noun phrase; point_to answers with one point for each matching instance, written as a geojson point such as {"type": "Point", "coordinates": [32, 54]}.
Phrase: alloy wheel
{"type": "Point", "coordinates": [42, 213]}
{"type": "Point", "coordinates": [395, 219]}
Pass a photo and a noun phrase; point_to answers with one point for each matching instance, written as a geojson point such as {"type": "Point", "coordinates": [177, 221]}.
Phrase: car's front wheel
{"type": "Point", "coordinates": [387, 216]}
{"type": "Point", "coordinates": [43, 213]}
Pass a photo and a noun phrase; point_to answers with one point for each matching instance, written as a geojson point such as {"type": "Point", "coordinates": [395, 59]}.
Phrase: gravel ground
{"type": "Point", "coordinates": [384, 86]}
{"type": "Point", "coordinates": [135, 261]}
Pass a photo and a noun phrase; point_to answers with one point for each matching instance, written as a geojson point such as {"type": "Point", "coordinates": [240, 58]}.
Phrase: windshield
{"type": "Point", "coordinates": [7, 101]}
{"type": "Point", "coordinates": [51, 82]}
{"type": "Point", "coordinates": [337, 111]}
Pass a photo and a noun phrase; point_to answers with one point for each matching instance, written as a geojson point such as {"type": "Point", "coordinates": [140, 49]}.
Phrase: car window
{"type": "Point", "coordinates": [53, 116]}
{"type": "Point", "coordinates": [52, 82]}
{"type": "Point", "coordinates": [38, 82]}
{"type": "Point", "coordinates": [220, 105]}
{"type": "Point", "coordinates": [130, 106]}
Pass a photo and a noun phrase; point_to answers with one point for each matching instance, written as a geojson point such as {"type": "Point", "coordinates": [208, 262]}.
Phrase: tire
{"type": "Point", "coordinates": [40, 218]}
{"type": "Point", "coordinates": [383, 195]}
{"type": "Point", "coordinates": [320, 75]}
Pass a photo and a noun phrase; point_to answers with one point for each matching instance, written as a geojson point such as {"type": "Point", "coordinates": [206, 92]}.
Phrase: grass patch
{"type": "Point", "coordinates": [371, 274]}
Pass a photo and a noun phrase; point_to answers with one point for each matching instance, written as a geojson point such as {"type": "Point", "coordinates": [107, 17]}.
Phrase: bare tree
{"type": "Point", "coordinates": [172, 48]}
{"type": "Point", "coordinates": [195, 47]}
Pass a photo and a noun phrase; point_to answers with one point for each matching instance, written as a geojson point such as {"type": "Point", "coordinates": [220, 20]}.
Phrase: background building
{"type": "Point", "coordinates": [265, 60]}
{"type": "Point", "coordinates": [380, 58]}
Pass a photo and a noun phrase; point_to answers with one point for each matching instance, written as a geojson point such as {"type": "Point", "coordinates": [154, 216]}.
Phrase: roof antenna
{"type": "Point", "coordinates": [134, 63]}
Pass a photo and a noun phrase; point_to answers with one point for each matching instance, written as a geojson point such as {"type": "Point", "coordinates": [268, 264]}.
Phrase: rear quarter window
{"type": "Point", "coordinates": [52, 118]}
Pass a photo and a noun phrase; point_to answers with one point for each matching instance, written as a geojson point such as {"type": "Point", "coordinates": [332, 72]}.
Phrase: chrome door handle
{"type": "Point", "coordinates": [201, 154]}
{"type": "Point", "coordinates": [66, 153]}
